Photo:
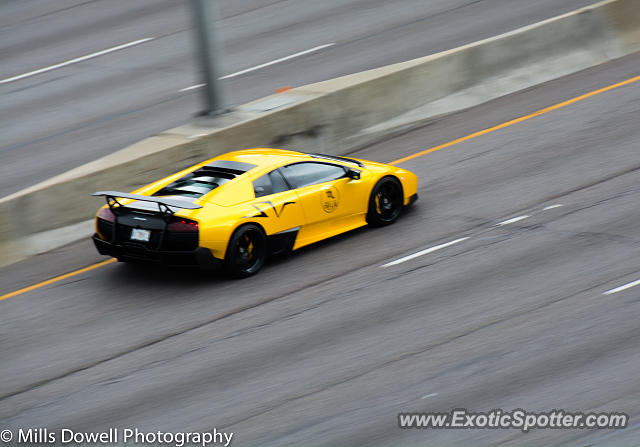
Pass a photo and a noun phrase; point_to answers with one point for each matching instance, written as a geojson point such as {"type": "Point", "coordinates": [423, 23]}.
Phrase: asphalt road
{"type": "Point", "coordinates": [61, 118]}
{"type": "Point", "coordinates": [326, 347]}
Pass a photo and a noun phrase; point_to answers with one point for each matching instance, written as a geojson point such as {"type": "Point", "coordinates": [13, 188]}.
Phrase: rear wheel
{"type": "Point", "coordinates": [385, 203]}
{"type": "Point", "coordinates": [246, 251]}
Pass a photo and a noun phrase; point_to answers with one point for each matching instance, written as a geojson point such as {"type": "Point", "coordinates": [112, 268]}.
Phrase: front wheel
{"type": "Point", "coordinates": [385, 203]}
{"type": "Point", "coordinates": [246, 251]}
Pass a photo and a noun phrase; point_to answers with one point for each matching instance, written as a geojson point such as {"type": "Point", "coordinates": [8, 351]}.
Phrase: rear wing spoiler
{"type": "Point", "coordinates": [165, 204]}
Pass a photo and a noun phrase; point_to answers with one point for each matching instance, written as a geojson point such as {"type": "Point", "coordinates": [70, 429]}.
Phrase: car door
{"type": "Point", "coordinates": [331, 201]}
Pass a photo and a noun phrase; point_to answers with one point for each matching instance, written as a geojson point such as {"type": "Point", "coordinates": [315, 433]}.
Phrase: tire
{"type": "Point", "coordinates": [247, 251]}
{"type": "Point", "coordinates": [385, 203]}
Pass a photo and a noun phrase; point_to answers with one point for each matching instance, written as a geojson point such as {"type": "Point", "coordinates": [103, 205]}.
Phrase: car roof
{"type": "Point", "coordinates": [263, 157]}
{"type": "Point", "coordinates": [245, 166]}
{"type": "Point", "coordinates": [268, 158]}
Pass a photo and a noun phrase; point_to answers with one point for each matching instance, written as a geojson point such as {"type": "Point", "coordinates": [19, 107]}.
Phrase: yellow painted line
{"type": "Point", "coordinates": [56, 279]}
{"type": "Point", "coordinates": [517, 120]}
{"type": "Point", "coordinates": [401, 160]}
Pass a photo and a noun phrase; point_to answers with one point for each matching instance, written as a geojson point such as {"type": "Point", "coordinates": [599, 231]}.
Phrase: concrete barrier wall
{"type": "Point", "coordinates": [335, 116]}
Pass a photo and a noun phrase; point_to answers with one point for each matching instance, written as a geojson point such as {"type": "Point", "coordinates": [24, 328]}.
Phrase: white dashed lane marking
{"type": "Point", "coordinates": [623, 287]}
{"type": "Point", "coordinates": [266, 64]}
{"type": "Point", "coordinates": [76, 60]}
{"type": "Point", "coordinates": [423, 252]}
{"type": "Point", "coordinates": [513, 220]}
{"type": "Point", "coordinates": [447, 244]}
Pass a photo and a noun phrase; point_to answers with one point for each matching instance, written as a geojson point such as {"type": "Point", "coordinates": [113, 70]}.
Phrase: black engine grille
{"type": "Point", "coordinates": [173, 241]}
{"type": "Point", "coordinates": [180, 241]}
{"type": "Point", "coordinates": [105, 229]}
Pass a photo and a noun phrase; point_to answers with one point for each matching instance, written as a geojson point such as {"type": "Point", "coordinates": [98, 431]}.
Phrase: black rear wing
{"type": "Point", "coordinates": [165, 204]}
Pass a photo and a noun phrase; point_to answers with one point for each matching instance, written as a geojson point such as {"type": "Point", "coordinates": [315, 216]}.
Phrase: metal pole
{"type": "Point", "coordinates": [204, 18]}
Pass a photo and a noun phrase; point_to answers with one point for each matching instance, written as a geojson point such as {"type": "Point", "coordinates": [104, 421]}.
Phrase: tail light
{"type": "Point", "coordinates": [106, 214]}
{"type": "Point", "coordinates": [180, 224]}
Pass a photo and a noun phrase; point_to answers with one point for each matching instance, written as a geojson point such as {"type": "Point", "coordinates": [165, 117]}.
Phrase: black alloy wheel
{"type": "Point", "coordinates": [247, 251]}
{"type": "Point", "coordinates": [385, 203]}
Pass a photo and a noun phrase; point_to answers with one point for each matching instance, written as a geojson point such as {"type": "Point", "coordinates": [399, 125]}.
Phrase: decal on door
{"type": "Point", "coordinates": [262, 209]}
{"type": "Point", "coordinates": [329, 198]}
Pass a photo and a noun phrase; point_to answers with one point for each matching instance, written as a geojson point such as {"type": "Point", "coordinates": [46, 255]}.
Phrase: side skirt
{"type": "Point", "coordinates": [283, 241]}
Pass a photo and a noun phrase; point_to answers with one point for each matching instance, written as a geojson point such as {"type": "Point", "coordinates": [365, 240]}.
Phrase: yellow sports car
{"type": "Point", "coordinates": [236, 209]}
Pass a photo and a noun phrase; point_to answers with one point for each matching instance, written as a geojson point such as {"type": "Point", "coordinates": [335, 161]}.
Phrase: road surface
{"type": "Point", "coordinates": [532, 308]}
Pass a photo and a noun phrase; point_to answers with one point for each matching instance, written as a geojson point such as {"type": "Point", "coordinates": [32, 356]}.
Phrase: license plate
{"type": "Point", "coordinates": [140, 235]}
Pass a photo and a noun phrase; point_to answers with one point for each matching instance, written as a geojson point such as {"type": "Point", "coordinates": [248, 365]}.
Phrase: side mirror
{"type": "Point", "coordinates": [353, 174]}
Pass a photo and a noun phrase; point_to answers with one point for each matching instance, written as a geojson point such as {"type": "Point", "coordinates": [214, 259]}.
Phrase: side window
{"type": "Point", "coordinates": [270, 183]}
{"type": "Point", "coordinates": [277, 181]}
{"type": "Point", "coordinates": [262, 186]}
{"type": "Point", "coordinates": [310, 173]}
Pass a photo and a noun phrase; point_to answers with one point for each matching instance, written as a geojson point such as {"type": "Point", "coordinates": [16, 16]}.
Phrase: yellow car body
{"type": "Point", "coordinates": [321, 196]}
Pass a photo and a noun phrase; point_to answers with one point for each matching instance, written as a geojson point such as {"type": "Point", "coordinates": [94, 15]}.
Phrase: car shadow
{"type": "Point", "coordinates": [158, 274]}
